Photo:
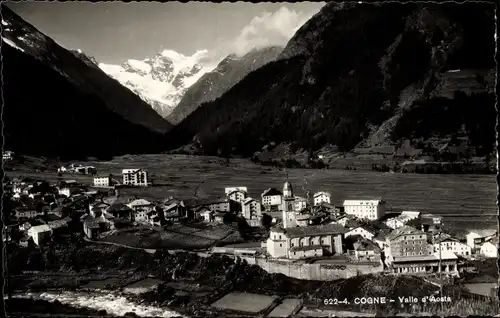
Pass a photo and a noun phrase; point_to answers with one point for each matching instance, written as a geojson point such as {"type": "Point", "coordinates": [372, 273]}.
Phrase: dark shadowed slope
{"type": "Point", "coordinates": [212, 85]}
{"type": "Point", "coordinates": [352, 74]}
{"type": "Point", "coordinates": [57, 104]}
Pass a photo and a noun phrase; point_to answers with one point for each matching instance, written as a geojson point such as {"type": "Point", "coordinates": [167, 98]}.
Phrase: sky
{"type": "Point", "coordinates": [116, 31]}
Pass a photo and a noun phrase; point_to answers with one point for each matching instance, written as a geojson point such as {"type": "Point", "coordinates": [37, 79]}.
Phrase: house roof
{"type": "Point", "coordinates": [482, 233]}
{"type": "Point", "coordinates": [118, 207]}
{"type": "Point", "coordinates": [326, 205]}
{"type": "Point", "coordinates": [312, 230]}
{"type": "Point", "coordinates": [139, 202]}
{"type": "Point", "coordinates": [236, 190]}
{"type": "Point", "coordinates": [360, 201]}
{"type": "Point", "coordinates": [366, 228]}
{"type": "Point", "coordinates": [57, 224]}
{"type": "Point", "coordinates": [227, 190]}
{"type": "Point", "coordinates": [248, 200]}
{"type": "Point", "coordinates": [404, 230]}
{"type": "Point", "coordinates": [40, 228]}
{"type": "Point", "coordinates": [201, 209]}
{"type": "Point", "coordinates": [126, 171]}
{"type": "Point", "coordinates": [317, 194]}
{"type": "Point", "coordinates": [443, 237]}
{"type": "Point", "coordinates": [171, 206]}
{"type": "Point", "coordinates": [493, 241]}
{"type": "Point", "coordinates": [271, 191]}
{"type": "Point", "coordinates": [215, 202]}
{"type": "Point", "coordinates": [306, 248]}
{"type": "Point", "coordinates": [365, 245]}
{"type": "Point", "coordinates": [99, 204]}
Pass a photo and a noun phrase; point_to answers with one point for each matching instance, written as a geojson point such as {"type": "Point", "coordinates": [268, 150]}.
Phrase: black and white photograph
{"type": "Point", "coordinates": [241, 159]}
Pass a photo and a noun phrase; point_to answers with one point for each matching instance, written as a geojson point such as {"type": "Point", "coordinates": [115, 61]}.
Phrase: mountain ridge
{"type": "Point", "coordinates": [213, 84]}
{"type": "Point", "coordinates": [349, 71]}
{"type": "Point", "coordinates": [60, 104]}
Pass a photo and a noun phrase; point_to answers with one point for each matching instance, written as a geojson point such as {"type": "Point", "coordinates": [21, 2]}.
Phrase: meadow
{"type": "Point", "coordinates": [466, 199]}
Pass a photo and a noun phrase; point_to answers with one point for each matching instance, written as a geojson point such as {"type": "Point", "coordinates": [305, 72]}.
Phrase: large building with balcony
{"type": "Point", "coordinates": [135, 177]}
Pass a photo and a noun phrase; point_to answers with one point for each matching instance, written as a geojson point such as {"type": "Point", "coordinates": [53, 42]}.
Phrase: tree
{"type": "Point", "coordinates": [266, 220]}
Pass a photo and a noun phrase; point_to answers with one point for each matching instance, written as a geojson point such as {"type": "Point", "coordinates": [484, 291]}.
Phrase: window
{"type": "Point", "coordinates": [293, 244]}
{"type": "Point", "coordinates": [281, 245]}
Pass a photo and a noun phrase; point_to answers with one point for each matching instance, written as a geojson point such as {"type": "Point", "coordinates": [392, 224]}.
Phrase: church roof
{"type": "Point", "coordinates": [313, 230]}
{"type": "Point", "coordinates": [306, 248]}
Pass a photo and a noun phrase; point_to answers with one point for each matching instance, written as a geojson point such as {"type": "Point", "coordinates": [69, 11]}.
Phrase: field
{"type": "Point", "coordinates": [286, 308]}
{"type": "Point", "coordinates": [465, 199]}
{"type": "Point", "coordinates": [175, 237]}
{"type": "Point", "coordinates": [244, 302]}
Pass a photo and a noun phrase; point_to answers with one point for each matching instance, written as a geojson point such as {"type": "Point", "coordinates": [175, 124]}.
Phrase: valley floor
{"type": "Point", "coordinates": [464, 200]}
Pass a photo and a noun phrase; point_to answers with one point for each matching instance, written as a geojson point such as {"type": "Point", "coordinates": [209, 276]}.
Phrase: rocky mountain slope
{"type": "Point", "coordinates": [59, 103]}
{"type": "Point", "coordinates": [162, 80]}
{"type": "Point", "coordinates": [213, 84]}
{"type": "Point", "coordinates": [362, 73]}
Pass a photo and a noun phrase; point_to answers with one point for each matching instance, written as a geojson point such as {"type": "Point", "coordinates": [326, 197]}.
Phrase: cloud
{"type": "Point", "coordinates": [270, 29]}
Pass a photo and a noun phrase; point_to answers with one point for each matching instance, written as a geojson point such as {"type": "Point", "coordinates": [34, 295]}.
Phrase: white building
{"type": "Point", "coordinates": [237, 195]}
{"type": "Point", "coordinates": [7, 155]}
{"type": "Point", "coordinates": [141, 205]}
{"type": "Point", "coordinates": [449, 243]}
{"type": "Point", "coordinates": [65, 191]}
{"type": "Point", "coordinates": [364, 231]}
{"type": "Point", "coordinates": [135, 177]}
{"type": "Point", "coordinates": [272, 198]}
{"type": "Point", "coordinates": [62, 169]}
{"type": "Point", "coordinates": [365, 209]}
{"type": "Point", "coordinates": [400, 220]}
{"type": "Point", "coordinates": [322, 197]}
{"type": "Point", "coordinates": [300, 203]}
{"type": "Point", "coordinates": [252, 212]}
{"type": "Point", "coordinates": [231, 189]}
{"type": "Point", "coordinates": [479, 235]}
{"type": "Point", "coordinates": [489, 249]}
{"type": "Point", "coordinates": [40, 233]}
{"type": "Point", "coordinates": [102, 181]}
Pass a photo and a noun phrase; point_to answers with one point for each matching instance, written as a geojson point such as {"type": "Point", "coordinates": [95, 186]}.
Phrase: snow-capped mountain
{"type": "Point", "coordinates": [163, 79]}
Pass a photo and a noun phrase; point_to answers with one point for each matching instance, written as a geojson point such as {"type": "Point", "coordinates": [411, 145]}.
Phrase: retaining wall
{"type": "Point", "coordinates": [305, 271]}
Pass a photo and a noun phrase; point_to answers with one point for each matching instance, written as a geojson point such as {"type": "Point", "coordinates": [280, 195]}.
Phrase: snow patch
{"type": "Point", "coordinates": [137, 75]}
{"type": "Point", "coordinates": [14, 45]}
{"type": "Point", "coordinates": [4, 22]}
{"type": "Point", "coordinates": [139, 65]}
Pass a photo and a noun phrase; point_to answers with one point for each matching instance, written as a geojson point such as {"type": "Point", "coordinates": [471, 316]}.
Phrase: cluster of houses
{"type": "Point", "coordinates": [362, 230]}
{"type": "Point", "coordinates": [74, 168]}
{"type": "Point", "coordinates": [359, 230]}
{"type": "Point", "coordinates": [7, 155]}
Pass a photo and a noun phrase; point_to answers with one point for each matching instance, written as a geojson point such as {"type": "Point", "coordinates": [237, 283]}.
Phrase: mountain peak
{"type": "Point", "coordinates": [160, 80]}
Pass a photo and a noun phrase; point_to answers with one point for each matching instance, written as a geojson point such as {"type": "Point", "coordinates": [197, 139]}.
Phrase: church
{"type": "Point", "coordinates": [295, 240]}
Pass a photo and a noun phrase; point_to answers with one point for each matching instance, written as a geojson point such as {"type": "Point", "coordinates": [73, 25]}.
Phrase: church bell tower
{"type": "Point", "coordinates": [288, 206]}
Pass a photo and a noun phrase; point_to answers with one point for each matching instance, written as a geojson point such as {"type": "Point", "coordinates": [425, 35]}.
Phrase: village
{"type": "Point", "coordinates": [309, 238]}
{"type": "Point", "coordinates": [357, 232]}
